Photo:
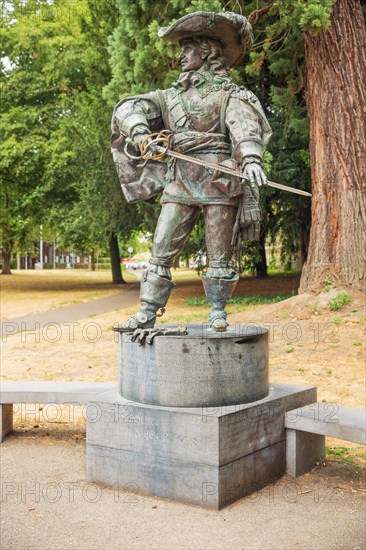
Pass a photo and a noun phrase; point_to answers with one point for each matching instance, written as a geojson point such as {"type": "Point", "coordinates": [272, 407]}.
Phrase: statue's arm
{"type": "Point", "coordinates": [249, 132]}
{"type": "Point", "coordinates": [139, 115]}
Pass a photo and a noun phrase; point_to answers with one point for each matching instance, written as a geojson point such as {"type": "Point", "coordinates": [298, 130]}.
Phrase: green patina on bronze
{"type": "Point", "coordinates": [209, 118]}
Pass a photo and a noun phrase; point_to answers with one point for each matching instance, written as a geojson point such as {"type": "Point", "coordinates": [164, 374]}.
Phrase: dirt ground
{"type": "Point", "coordinates": [309, 344]}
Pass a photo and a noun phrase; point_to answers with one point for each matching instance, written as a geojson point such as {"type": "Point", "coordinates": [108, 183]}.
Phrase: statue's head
{"type": "Point", "coordinates": [201, 54]}
{"type": "Point", "coordinates": [216, 41]}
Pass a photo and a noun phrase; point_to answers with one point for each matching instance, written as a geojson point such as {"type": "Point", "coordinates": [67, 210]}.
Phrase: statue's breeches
{"type": "Point", "coordinates": [175, 224]}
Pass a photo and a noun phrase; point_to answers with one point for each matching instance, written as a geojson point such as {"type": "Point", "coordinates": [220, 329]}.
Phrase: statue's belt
{"type": "Point", "coordinates": [199, 142]}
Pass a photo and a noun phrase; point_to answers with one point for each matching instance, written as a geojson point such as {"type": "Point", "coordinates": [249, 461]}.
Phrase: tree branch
{"type": "Point", "coordinates": [254, 17]}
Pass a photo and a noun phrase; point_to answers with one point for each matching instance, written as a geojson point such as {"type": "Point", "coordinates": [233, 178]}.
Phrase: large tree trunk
{"type": "Point", "coordinates": [335, 72]}
{"type": "Point", "coordinates": [117, 278]}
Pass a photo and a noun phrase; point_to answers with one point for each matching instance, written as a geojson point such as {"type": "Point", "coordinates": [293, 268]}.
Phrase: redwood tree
{"type": "Point", "coordinates": [334, 40]}
{"type": "Point", "coordinates": [335, 92]}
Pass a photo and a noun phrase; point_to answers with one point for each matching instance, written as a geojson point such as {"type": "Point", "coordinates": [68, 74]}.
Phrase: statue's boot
{"type": "Point", "coordinates": [218, 292]}
{"type": "Point", "coordinates": [154, 294]}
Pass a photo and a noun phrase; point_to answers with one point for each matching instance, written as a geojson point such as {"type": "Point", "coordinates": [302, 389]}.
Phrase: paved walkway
{"type": "Point", "coordinates": [128, 297]}
{"type": "Point", "coordinates": [47, 503]}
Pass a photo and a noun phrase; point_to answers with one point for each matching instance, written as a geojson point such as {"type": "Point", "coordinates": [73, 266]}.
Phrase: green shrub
{"type": "Point", "coordinates": [338, 301]}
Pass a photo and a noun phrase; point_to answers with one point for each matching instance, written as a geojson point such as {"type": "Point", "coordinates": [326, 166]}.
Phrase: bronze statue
{"type": "Point", "coordinates": [210, 118]}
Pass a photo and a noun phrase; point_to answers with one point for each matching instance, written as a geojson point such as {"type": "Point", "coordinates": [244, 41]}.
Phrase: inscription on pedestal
{"type": "Point", "coordinates": [208, 456]}
{"type": "Point", "coordinates": [197, 369]}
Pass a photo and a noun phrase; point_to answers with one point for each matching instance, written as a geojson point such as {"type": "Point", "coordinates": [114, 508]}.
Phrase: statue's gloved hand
{"type": "Point", "coordinates": [140, 335]}
{"type": "Point", "coordinates": [138, 138]}
{"type": "Point", "coordinates": [142, 140]}
{"type": "Point", "coordinates": [253, 172]}
{"type": "Point", "coordinates": [147, 335]}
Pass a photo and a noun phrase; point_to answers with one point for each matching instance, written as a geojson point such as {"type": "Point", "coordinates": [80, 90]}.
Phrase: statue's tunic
{"type": "Point", "coordinates": [210, 118]}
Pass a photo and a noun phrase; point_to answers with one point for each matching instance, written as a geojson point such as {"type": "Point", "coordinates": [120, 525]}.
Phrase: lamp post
{"type": "Point", "coordinates": [54, 252]}
{"type": "Point", "coordinates": [40, 247]}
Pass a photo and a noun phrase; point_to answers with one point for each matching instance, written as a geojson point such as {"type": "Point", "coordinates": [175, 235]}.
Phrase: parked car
{"type": "Point", "coordinates": [133, 263]}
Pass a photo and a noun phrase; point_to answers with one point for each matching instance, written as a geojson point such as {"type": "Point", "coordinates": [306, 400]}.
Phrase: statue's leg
{"type": "Point", "coordinates": [221, 277]}
{"type": "Point", "coordinates": [174, 226]}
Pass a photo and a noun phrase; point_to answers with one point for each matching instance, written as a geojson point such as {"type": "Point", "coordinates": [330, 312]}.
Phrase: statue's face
{"type": "Point", "coordinates": [191, 57]}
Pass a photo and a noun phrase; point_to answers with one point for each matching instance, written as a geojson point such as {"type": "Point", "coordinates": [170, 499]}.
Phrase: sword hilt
{"type": "Point", "coordinates": [155, 146]}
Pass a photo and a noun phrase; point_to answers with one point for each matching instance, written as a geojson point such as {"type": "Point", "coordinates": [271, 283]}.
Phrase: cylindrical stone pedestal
{"type": "Point", "coordinates": [201, 368]}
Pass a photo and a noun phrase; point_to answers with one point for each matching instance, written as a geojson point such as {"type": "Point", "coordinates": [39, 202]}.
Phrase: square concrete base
{"type": "Point", "coordinates": [210, 456]}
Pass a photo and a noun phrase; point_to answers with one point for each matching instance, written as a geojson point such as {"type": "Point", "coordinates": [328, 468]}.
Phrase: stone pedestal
{"type": "Point", "coordinates": [201, 368]}
{"type": "Point", "coordinates": [210, 456]}
{"type": "Point", "coordinates": [193, 418]}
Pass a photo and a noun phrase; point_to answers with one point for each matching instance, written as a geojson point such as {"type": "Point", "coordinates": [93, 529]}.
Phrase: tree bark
{"type": "Point", "coordinates": [6, 253]}
{"type": "Point", "coordinates": [335, 93]}
{"type": "Point", "coordinates": [92, 260]}
{"type": "Point", "coordinates": [304, 246]}
{"type": "Point", "coordinates": [261, 265]}
{"type": "Point", "coordinates": [117, 278]}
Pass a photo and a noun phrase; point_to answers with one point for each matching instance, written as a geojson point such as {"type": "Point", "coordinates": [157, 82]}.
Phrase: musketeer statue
{"type": "Point", "coordinates": [207, 120]}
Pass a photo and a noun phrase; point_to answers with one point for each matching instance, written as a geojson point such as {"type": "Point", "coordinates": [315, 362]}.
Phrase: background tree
{"type": "Point", "coordinates": [335, 64]}
{"type": "Point", "coordinates": [99, 215]}
{"type": "Point", "coordinates": [35, 76]}
{"type": "Point", "coordinates": [336, 97]}
{"type": "Point", "coordinates": [56, 162]}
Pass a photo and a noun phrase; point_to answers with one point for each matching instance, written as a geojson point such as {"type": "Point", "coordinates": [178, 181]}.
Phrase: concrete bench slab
{"type": "Point", "coordinates": [44, 392]}
{"type": "Point", "coordinates": [307, 427]}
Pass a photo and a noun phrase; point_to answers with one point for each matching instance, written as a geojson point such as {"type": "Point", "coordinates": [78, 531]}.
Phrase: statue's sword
{"type": "Point", "coordinates": [152, 150]}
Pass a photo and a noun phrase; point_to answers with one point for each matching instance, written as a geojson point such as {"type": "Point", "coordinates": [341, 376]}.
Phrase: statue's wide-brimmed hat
{"type": "Point", "coordinates": [231, 29]}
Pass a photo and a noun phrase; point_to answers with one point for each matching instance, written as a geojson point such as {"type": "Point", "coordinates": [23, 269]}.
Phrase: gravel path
{"type": "Point", "coordinates": [47, 504]}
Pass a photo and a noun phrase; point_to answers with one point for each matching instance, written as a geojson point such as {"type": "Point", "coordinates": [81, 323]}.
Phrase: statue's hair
{"type": "Point", "coordinates": [213, 53]}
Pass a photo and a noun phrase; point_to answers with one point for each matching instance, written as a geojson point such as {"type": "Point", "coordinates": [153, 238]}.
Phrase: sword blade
{"type": "Point", "coordinates": [287, 188]}
{"type": "Point", "coordinates": [227, 170]}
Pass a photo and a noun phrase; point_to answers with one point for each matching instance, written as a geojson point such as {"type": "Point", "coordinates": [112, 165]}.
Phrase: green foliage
{"type": "Point", "coordinates": [328, 283]}
{"type": "Point", "coordinates": [99, 209]}
{"type": "Point", "coordinates": [250, 256]}
{"type": "Point", "coordinates": [275, 73]}
{"type": "Point", "coordinates": [315, 15]}
{"type": "Point", "coordinates": [56, 159]}
{"type": "Point", "coordinates": [339, 301]}
{"type": "Point", "coordinates": [64, 65]}
{"type": "Point", "coordinates": [37, 80]}
{"type": "Point", "coordinates": [255, 300]}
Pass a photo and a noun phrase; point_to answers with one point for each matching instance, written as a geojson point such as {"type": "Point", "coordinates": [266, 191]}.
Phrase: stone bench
{"type": "Point", "coordinates": [77, 393]}
{"type": "Point", "coordinates": [307, 427]}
